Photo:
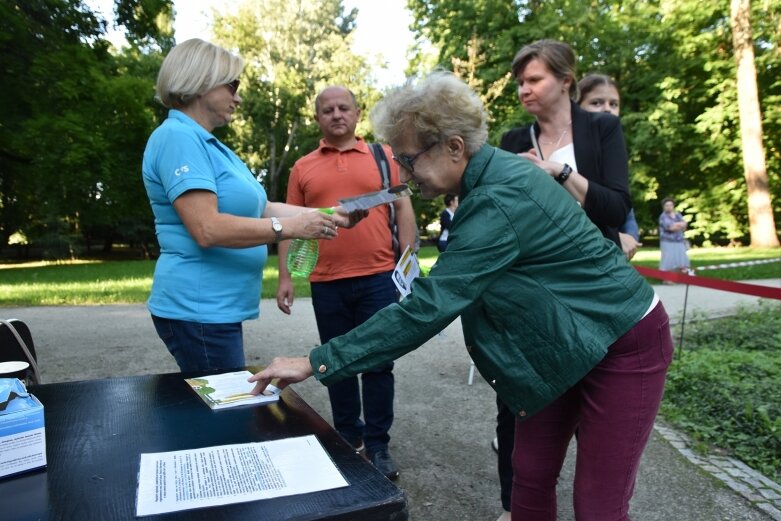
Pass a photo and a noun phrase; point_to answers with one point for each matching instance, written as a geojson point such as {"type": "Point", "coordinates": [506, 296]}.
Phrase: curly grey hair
{"type": "Point", "coordinates": [436, 108]}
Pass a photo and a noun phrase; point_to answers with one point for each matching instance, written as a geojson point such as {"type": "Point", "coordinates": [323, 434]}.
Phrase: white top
{"type": "Point", "coordinates": [565, 154]}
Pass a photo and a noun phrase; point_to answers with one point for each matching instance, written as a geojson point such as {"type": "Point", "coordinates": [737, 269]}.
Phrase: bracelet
{"type": "Point", "coordinates": [564, 175]}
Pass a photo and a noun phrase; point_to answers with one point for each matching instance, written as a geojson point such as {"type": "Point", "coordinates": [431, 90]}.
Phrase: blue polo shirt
{"type": "Point", "coordinates": [209, 285]}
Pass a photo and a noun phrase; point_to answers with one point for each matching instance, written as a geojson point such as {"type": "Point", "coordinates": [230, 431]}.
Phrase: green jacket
{"type": "Point", "coordinates": [541, 293]}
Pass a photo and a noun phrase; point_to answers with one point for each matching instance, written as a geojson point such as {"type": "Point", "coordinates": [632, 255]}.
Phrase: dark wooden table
{"type": "Point", "coordinates": [96, 431]}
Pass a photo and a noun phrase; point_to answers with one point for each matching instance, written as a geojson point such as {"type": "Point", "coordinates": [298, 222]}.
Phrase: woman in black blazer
{"type": "Point", "coordinates": [599, 179]}
{"type": "Point", "coordinates": [584, 151]}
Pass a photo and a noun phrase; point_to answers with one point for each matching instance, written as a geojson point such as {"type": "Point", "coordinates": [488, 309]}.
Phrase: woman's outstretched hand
{"type": "Point", "coordinates": [286, 370]}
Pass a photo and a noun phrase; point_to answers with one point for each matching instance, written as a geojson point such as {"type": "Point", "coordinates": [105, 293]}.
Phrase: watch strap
{"type": "Point", "coordinates": [277, 227]}
{"type": "Point", "coordinates": [564, 174]}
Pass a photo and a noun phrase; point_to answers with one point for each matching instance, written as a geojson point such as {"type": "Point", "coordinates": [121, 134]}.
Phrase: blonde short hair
{"type": "Point", "coordinates": [192, 68]}
{"type": "Point", "coordinates": [436, 108]}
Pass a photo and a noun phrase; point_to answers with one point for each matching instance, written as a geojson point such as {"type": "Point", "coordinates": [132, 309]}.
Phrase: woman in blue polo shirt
{"type": "Point", "coordinates": [212, 216]}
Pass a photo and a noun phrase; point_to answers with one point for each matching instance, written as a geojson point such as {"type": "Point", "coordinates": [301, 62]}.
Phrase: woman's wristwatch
{"type": "Point", "coordinates": [277, 227]}
{"type": "Point", "coordinates": [564, 174]}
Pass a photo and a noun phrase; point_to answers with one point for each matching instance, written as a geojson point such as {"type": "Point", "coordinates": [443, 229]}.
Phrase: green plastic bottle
{"type": "Point", "coordinates": [302, 254]}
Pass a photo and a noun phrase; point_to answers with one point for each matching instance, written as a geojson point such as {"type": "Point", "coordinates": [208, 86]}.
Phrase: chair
{"type": "Point", "coordinates": [471, 377]}
{"type": "Point", "coordinates": [16, 345]}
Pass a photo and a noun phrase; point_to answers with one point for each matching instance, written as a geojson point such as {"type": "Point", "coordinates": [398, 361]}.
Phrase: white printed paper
{"type": "Point", "coordinates": [406, 270]}
{"type": "Point", "coordinates": [181, 480]}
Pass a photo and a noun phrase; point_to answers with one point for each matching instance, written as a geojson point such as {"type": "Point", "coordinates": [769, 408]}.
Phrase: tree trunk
{"type": "Point", "coordinates": [760, 209]}
{"type": "Point", "coordinates": [277, 161]}
{"type": "Point", "coordinates": [272, 167]}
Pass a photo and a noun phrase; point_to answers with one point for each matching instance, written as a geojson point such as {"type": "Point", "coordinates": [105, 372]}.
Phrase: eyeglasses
{"type": "Point", "coordinates": [408, 162]}
{"type": "Point", "coordinates": [233, 87]}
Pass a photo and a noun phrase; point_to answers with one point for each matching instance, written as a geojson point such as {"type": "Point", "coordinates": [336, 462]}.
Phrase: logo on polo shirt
{"type": "Point", "coordinates": [181, 170]}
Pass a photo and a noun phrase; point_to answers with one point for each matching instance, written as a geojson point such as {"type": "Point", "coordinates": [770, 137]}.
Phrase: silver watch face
{"type": "Point", "coordinates": [276, 225]}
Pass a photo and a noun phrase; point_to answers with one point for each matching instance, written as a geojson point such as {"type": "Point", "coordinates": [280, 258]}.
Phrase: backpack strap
{"type": "Point", "coordinates": [30, 358]}
{"type": "Point", "coordinates": [382, 163]}
{"type": "Point", "coordinates": [383, 166]}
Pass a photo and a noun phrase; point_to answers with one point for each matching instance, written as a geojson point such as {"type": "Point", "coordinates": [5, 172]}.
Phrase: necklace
{"type": "Point", "coordinates": [557, 142]}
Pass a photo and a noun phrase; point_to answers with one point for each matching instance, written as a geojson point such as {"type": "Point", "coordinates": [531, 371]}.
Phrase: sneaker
{"type": "Point", "coordinates": [495, 445]}
{"type": "Point", "coordinates": [383, 462]}
{"type": "Point", "coordinates": [505, 516]}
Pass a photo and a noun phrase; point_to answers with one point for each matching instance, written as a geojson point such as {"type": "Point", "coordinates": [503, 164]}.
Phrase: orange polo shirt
{"type": "Point", "coordinates": [320, 179]}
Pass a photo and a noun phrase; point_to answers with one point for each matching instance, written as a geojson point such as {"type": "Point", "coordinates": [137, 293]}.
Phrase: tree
{"type": "Point", "coordinates": [674, 62]}
{"type": "Point", "coordinates": [49, 74]}
{"type": "Point", "coordinates": [760, 209]}
{"type": "Point", "coordinates": [74, 122]}
{"type": "Point", "coordinates": [148, 23]}
{"type": "Point", "coordinates": [292, 50]}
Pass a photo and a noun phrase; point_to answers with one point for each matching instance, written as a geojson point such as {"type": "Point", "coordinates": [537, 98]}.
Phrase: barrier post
{"type": "Point", "coordinates": [683, 321]}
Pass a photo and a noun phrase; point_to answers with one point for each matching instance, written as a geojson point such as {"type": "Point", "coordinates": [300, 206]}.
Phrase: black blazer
{"type": "Point", "coordinates": [600, 153]}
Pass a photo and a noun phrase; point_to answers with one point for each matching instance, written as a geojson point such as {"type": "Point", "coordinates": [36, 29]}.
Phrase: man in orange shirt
{"type": "Point", "coordinates": [352, 278]}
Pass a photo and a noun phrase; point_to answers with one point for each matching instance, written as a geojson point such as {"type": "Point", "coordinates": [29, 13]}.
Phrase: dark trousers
{"type": "Point", "coordinates": [339, 307]}
{"type": "Point", "coordinates": [198, 346]}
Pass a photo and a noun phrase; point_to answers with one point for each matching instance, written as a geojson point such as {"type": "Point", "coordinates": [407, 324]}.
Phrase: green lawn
{"type": "Point", "coordinates": [113, 282]}
{"type": "Point", "coordinates": [701, 257]}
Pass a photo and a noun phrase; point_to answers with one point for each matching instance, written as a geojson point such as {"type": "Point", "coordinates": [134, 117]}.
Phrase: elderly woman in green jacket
{"type": "Point", "coordinates": [555, 319]}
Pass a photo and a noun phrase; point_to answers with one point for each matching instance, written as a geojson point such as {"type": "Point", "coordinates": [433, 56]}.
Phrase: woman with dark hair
{"type": "Point", "coordinates": [599, 93]}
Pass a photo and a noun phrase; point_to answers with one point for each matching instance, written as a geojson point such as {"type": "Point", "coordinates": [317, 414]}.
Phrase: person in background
{"type": "Point", "coordinates": [599, 93]}
{"type": "Point", "coordinates": [445, 218]}
{"type": "Point", "coordinates": [212, 217]}
{"type": "Point", "coordinates": [556, 320]}
{"type": "Point", "coordinates": [352, 278]}
{"type": "Point", "coordinates": [583, 151]}
{"type": "Point", "coordinates": [672, 244]}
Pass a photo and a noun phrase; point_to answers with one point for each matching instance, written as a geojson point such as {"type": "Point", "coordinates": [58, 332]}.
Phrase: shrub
{"type": "Point", "coordinates": [723, 390]}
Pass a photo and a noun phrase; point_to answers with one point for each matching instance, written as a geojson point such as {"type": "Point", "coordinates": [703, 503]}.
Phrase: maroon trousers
{"type": "Point", "coordinates": [613, 409]}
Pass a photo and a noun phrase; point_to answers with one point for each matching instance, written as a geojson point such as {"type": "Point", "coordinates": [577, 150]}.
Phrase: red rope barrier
{"type": "Point", "coordinates": [706, 282]}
